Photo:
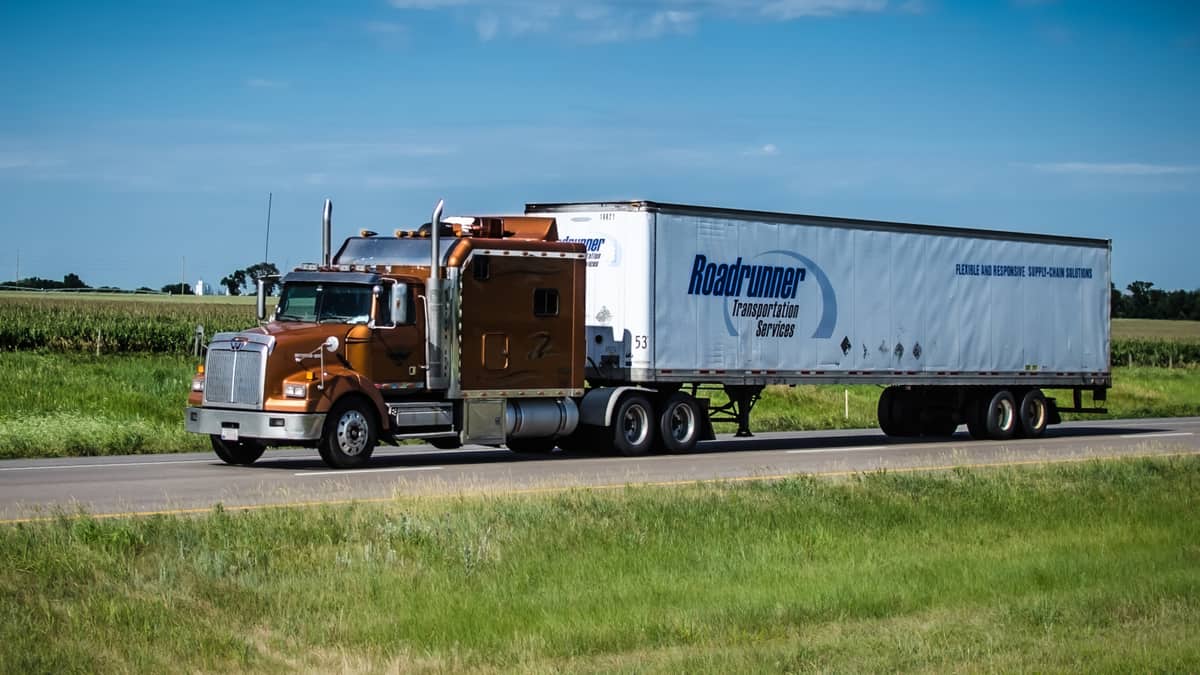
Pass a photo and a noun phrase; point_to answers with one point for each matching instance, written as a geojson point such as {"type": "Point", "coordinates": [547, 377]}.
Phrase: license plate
{"type": "Point", "coordinates": [229, 433]}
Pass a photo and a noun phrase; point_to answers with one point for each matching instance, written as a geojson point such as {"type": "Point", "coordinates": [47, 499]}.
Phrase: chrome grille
{"type": "Point", "coordinates": [234, 377]}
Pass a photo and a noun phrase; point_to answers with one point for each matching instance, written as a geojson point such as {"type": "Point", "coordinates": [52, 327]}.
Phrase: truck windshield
{"type": "Point", "coordinates": [325, 303]}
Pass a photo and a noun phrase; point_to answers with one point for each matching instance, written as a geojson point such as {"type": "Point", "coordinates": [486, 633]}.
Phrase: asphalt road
{"type": "Point", "coordinates": [139, 484]}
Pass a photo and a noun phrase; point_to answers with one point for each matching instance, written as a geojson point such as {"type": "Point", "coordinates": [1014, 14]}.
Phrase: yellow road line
{"type": "Point", "coordinates": [609, 486]}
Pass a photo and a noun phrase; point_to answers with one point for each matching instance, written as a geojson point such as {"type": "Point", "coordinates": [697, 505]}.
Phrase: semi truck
{"type": "Point", "coordinates": [631, 327]}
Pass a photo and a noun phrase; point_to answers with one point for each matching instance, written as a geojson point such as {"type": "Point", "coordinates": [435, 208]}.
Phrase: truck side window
{"type": "Point", "coordinates": [545, 302]}
{"type": "Point", "coordinates": [483, 267]}
{"type": "Point", "coordinates": [383, 304]}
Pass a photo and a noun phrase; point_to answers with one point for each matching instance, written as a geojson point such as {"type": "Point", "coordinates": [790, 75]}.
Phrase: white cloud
{"type": "Point", "coordinates": [385, 28]}
{"type": "Point", "coordinates": [487, 26]}
{"type": "Point", "coordinates": [14, 162]}
{"type": "Point", "coordinates": [426, 4]}
{"type": "Point", "coordinates": [17, 160]}
{"type": "Point", "coordinates": [768, 150]}
{"type": "Point", "coordinates": [263, 83]}
{"type": "Point", "coordinates": [786, 10]}
{"type": "Point", "coordinates": [1115, 168]}
{"type": "Point", "coordinates": [620, 20]}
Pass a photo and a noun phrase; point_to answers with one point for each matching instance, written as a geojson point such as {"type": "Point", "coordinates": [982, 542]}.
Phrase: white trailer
{"type": "Point", "coordinates": [961, 325]}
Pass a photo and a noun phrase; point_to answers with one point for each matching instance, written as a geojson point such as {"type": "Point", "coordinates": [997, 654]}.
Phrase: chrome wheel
{"type": "Point", "coordinates": [682, 423]}
{"type": "Point", "coordinates": [635, 425]}
{"type": "Point", "coordinates": [632, 431]}
{"type": "Point", "coordinates": [1001, 416]}
{"type": "Point", "coordinates": [1034, 414]}
{"type": "Point", "coordinates": [679, 423]}
{"type": "Point", "coordinates": [353, 433]}
{"type": "Point", "coordinates": [1005, 414]}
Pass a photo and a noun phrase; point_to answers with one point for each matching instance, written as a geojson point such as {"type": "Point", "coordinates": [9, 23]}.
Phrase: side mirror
{"type": "Point", "coordinates": [400, 303]}
{"type": "Point", "coordinates": [331, 344]}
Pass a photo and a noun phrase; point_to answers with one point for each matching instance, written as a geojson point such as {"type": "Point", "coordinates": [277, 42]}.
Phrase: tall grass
{"type": "Point", "coordinates": [74, 404]}
{"type": "Point", "coordinates": [1090, 567]}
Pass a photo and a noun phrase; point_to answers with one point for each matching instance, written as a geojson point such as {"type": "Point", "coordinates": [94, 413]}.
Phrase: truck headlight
{"type": "Point", "coordinates": [295, 390]}
{"type": "Point", "coordinates": [197, 384]}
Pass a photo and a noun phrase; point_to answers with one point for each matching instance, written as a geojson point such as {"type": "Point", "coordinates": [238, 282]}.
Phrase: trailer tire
{"type": "Point", "coordinates": [1035, 412]}
{"type": "Point", "coordinates": [884, 412]}
{"type": "Point", "coordinates": [632, 426]}
{"type": "Point", "coordinates": [350, 435]}
{"type": "Point", "coordinates": [893, 403]}
{"type": "Point", "coordinates": [679, 423]}
{"type": "Point", "coordinates": [1000, 416]}
{"type": "Point", "coordinates": [238, 453]}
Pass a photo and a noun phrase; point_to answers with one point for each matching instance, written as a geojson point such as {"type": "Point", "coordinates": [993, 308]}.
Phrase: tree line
{"type": "Point", "coordinates": [1143, 301]}
{"type": "Point", "coordinates": [238, 282]}
{"type": "Point", "coordinates": [1140, 300]}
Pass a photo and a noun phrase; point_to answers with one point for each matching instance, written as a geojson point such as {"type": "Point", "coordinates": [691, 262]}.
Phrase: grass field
{"type": "Point", "coordinates": [74, 404]}
{"type": "Point", "coordinates": [59, 399]}
{"type": "Point", "coordinates": [1154, 329]}
{"type": "Point", "coordinates": [1089, 567]}
{"type": "Point", "coordinates": [1136, 392]}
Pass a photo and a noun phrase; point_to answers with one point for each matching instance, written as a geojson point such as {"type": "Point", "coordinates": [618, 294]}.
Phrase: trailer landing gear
{"type": "Point", "coordinates": [741, 401]}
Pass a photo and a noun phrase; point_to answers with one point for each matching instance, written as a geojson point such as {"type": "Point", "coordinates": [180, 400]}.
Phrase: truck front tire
{"type": "Point", "coordinates": [243, 453]}
{"type": "Point", "coordinates": [350, 435]}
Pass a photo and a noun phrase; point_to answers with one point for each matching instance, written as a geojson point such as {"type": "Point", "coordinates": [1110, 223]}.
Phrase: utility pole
{"type": "Point", "coordinates": [267, 246]}
{"type": "Point", "coordinates": [18, 278]}
{"type": "Point", "coordinates": [182, 273]}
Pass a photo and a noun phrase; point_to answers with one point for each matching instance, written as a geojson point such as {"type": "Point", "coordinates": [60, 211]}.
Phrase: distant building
{"type": "Point", "coordinates": [201, 288]}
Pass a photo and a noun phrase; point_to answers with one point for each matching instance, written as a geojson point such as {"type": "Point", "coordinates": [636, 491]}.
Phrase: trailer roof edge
{"type": "Point", "coordinates": [798, 218]}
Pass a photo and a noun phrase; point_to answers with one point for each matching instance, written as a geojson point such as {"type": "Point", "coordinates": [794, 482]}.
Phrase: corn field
{"type": "Point", "coordinates": [1155, 353]}
{"type": "Point", "coordinates": [109, 326]}
{"type": "Point", "coordinates": [167, 326]}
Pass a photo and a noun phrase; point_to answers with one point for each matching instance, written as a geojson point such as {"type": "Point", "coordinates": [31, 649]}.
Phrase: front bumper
{"type": "Point", "coordinates": [256, 424]}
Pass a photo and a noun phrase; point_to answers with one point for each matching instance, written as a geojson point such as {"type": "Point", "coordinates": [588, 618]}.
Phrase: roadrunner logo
{"type": "Point", "coordinates": [769, 292]}
{"type": "Point", "coordinates": [595, 248]}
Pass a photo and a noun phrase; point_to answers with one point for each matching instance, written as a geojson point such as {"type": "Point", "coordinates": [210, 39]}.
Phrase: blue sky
{"type": "Point", "coordinates": [137, 138]}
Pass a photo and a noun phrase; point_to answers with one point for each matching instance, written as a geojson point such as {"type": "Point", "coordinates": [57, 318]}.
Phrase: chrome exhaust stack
{"type": "Point", "coordinates": [326, 233]}
{"type": "Point", "coordinates": [435, 379]}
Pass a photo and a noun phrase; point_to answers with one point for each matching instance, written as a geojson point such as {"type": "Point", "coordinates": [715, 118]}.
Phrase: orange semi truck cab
{"type": "Point", "coordinates": [466, 330]}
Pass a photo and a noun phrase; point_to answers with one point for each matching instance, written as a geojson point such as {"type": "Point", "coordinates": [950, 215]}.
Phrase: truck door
{"type": "Point", "coordinates": [398, 337]}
